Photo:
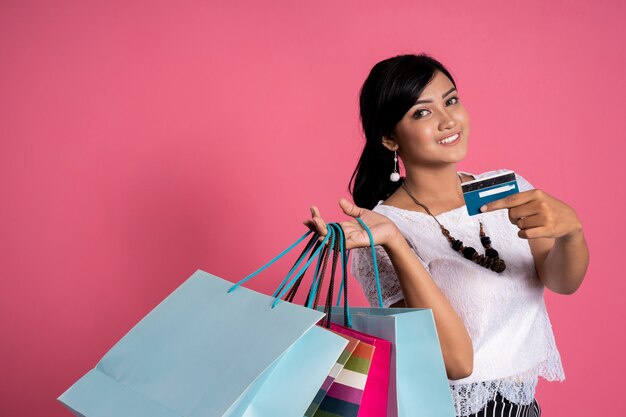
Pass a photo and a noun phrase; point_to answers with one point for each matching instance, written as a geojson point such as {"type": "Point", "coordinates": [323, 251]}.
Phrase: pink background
{"type": "Point", "coordinates": [140, 141]}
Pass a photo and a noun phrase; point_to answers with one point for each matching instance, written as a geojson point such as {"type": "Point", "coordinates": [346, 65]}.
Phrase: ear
{"type": "Point", "coordinates": [390, 143]}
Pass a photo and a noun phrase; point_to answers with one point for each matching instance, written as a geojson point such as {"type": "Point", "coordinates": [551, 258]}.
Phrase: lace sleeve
{"type": "Point", "coordinates": [362, 268]}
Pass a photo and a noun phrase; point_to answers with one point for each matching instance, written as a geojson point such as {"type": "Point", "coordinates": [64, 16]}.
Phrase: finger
{"type": "Point", "coordinates": [309, 223]}
{"type": "Point", "coordinates": [349, 225]}
{"type": "Point", "coordinates": [349, 228]}
{"type": "Point", "coordinates": [315, 211]}
{"type": "Point", "coordinates": [321, 226]}
{"type": "Point", "coordinates": [355, 236]}
{"type": "Point", "coordinates": [317, 215]}
{"type": "Point", "coordinates": [510, 201]}
{"type": "Point", "coordinates": [525, 210]}
{"type": "Point", "coordinates": [530, 222]}
{"type": "Point", "coordinates": [534, 233]}
{"type": "Point", "coordinates": [350, 209]}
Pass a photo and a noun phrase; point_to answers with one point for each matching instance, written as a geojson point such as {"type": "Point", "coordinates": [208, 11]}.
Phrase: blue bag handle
{"type": "Point", "coordinates": [336, 247]}
{"type": "Point", "coordinates": [279, 294]}
{"type": "Point", "coordinates": [345, 252]}
{"type": "Point", "coordinates": [312, 243]}
{"type": "Point", "coordinates": [277, 257]}
{"type": "Point", "coordinates": [377, 277]}
{"type": "Point", "coordinates": [334, 251]}
{"type": "Point", "coordinates": [317, 276]}
{"type": "Point", "coordinates": [311, 296]}
{"type": "Point", "coordinates": [287, 284]}
{"type": "Point", "coordinates": [344, 261]}
{"type": "Point", "coordinates": [344, 275]}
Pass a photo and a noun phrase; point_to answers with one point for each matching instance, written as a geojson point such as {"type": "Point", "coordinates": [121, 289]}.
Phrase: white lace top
{"type": "Point", "coordinates": [504, 314]}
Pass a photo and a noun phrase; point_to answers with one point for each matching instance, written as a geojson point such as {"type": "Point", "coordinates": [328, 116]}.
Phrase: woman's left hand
{"type": "Point", "coordinates": [538, 214]}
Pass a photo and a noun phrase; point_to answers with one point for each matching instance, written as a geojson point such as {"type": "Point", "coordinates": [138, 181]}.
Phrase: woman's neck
{"type": "Point", "coordinates": [440, 185]}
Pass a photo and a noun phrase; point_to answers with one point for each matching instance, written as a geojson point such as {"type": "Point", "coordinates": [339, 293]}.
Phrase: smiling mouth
{"type": "Point", "coordinates": [450, 139]}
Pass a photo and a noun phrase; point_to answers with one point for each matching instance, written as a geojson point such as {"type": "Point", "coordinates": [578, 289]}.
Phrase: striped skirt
{"type": "Point", "coordinates": [501, 407]}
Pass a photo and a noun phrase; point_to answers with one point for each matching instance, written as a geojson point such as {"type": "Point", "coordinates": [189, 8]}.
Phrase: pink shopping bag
{"type": "Point", "coordinates": [344, 396]}
{"type": "Point", "coordinates": [375, 395]}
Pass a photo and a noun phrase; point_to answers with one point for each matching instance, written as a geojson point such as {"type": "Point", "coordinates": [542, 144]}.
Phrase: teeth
{"type": "Point", "coordinates": [450, 139]}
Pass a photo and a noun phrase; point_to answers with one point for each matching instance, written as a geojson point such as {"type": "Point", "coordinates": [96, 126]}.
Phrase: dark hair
{"type": "Point", "coordinates": [390, 90]}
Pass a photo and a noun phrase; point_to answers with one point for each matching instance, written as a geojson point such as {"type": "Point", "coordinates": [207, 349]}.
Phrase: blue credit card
{"type": "Point", "coordinates": [485, 190]}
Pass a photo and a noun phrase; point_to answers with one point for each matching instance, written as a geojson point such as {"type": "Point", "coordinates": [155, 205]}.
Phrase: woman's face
{"type": "Point", "coordinates": [438, 114]}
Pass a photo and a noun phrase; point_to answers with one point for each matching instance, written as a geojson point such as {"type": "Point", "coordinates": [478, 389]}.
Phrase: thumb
{"type": "Point", "coordinates": [349, 208]}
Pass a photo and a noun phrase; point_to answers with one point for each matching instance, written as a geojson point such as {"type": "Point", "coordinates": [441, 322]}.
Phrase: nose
{"type": "Point", "coordinates": [446, 121]}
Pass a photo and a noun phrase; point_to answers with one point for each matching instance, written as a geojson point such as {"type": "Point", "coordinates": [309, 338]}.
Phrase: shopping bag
{"type": "Point", "coordinates": [212, 348]}
{"type": "Point", "coordinates": [341, 394]}
{"type": "Point", "coordinates": [355, 391]}
{"type": "Point", "coordinates": [332, 376]}
{"type": "Point", "coordinates": [375, 394]}
{"type": "Point", "coordinates": [418, 381]}
{"type": "Point", "coordinates": [344, 395]}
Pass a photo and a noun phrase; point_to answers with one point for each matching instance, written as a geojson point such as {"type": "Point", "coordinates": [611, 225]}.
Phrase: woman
{"type": "Point", "coordinates": [495, 334]}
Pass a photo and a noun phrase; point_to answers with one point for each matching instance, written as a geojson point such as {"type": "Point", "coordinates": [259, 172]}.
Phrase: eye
{"type": "Point", "coordinates": [419, 114]}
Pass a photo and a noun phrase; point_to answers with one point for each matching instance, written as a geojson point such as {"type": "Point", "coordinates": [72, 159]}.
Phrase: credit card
{"type": "Point", "coordinates": [485, 190]}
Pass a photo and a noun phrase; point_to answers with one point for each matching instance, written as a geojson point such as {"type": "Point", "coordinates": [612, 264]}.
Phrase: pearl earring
{"type": "Point", "coordinates": [395, 175]}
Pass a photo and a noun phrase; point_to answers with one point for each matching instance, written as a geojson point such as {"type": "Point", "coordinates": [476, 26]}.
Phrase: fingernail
{"type": "Point", "coordinates": [483, 208]}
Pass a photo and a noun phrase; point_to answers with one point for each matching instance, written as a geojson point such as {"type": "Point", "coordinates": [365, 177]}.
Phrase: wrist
{"type": "Point", "coordinates": [395, 243]}
{"type": "Point", "coordinates": [573, 236]}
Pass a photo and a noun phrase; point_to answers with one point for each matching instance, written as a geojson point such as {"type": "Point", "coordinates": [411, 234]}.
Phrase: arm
{"type": "Point", "coordinates": [562, 262]}
{"type": "Point", "coordinates": [555, 236]}
{"type": "Point", "coordinates": [417, 285]}
{"type": "Point", "coordinates": [420, 291]}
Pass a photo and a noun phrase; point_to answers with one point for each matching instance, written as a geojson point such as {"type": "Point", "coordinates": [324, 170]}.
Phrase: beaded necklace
{"type": "Point", "coordinates": [489, 260]}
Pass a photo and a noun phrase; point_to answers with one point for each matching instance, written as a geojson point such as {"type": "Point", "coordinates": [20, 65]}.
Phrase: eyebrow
{"type": "Point", "coordinates": [443, 96]}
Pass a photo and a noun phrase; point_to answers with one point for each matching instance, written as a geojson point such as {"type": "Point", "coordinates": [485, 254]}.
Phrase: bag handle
{"type": "Point", "coordinates": [376, 276]}
{"type": "Point", "coordinates": [284, 285]}
{"type": "Point", "coordinates": [312, 299]}
{"type": "Point", "coordinates": [287, 284]}
{"type": "Point", "coordinates": [339, 251]}
{"type": "Point", "coordinates": [344, 279]}
{"type": "Point", "coordinates": [331, 284]}
{"type": "Point", "coordinates": [292, 292]}
{"type": "Point", "coordinates": [344, 283]}
{"type": "Point", "coordinates": [279, 294]}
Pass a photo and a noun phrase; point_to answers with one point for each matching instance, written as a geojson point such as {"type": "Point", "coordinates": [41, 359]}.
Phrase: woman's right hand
{"type": "Point", "coordinates": [383, 230]}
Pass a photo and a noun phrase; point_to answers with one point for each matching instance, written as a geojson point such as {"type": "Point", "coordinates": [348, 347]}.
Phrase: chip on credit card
{"type": "Point", "coordinates": [485, 190]}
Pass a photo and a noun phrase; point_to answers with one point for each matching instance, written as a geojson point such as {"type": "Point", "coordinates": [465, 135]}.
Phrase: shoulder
{"type": "Point", "coordinates": [391, 212]}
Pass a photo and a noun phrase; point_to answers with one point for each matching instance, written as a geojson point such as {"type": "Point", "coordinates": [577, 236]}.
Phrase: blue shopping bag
{"type": "Point", "coordinates": [418, 383]}
{"type": "Point", "coordinates": [212, 348]}
{"type": "Point", "coordinates": [418, 380]}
